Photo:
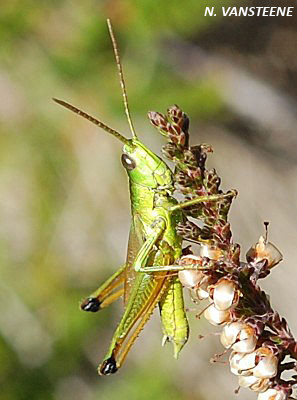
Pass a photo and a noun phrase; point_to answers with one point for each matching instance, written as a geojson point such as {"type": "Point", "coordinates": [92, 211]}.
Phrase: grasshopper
{"type": "Point", "coordinates": [146, 279]}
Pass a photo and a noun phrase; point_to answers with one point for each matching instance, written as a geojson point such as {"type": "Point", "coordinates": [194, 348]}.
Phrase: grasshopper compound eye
{"type": "Point", "coordinates": [128, 162]}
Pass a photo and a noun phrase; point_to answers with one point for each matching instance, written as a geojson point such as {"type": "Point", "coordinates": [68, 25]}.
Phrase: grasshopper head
{"type": "Point", "coordinates": [144, 167]}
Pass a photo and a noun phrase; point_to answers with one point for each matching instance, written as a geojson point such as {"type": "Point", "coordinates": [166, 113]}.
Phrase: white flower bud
{"type": "Point", "coordinates": [202, 294]}
{"type": "Point", "coordinates": [242, 363]}
{"type": "Point", "coordinates": [240, 336]}
{"type": "Point", "coordinates": [225, 294]}
{"type": "Point", "coordinates": [212, 252]}
{"type": "Point", "coordinates": [190, 259]}
{"type": "Point", "coordinates": [247, 381]}
{"type": "Point", "coordinates": [255, 384]}
{"type": "Point", "coordinates": [216, 317]}
{"type": "Point", "coordinates": [264, 250]}
{"type": "Point", "coordinates": [261, 363]}
{"type": "Point", "coordinates": [190, 278]}
{"type": "Point", "coordinates": [230, 332]}
{"type": "Point", "coordinates": [202, 291]}
{"type": "Point", "coordinates": [266, 365]}
{"type": "Point", "coordinates": [273, 394]}
{"type": "Point", "coordinates": [246, 340]}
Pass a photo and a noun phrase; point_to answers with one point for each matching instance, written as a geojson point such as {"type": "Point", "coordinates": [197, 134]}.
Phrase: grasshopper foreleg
{"type": "Point", "coordinates": [106, 293]}
{"type": "Point", "coordinates": [173, 267]}
{"type": "Point", "coordinates": [159, 225]}
{"type": "Point", "coordinates": [204, 199]}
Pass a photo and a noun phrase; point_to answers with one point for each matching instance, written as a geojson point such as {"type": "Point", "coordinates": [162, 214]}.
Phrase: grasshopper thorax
{"type": "Point", "coordinates": [145, 168]}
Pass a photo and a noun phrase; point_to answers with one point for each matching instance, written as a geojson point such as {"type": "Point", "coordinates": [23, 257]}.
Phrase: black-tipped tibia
{"type": "Point", "coordinates": [108, 367]}
{"type": "Point", "coordinates": [90, 304]}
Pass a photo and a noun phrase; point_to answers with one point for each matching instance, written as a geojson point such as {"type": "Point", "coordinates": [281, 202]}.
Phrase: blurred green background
{"type": "Point", "coordinates": [64, 205]}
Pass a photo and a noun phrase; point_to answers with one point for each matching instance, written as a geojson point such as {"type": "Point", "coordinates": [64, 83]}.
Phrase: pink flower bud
{"type": "Point", "coordinates": [224, 294]}
{"type": "Point", "coordinates": [273, 394]}
{"type": "Point", "coordinates": [216, 317]}
{"type": "Point", "coordinates": [240, 336]}
{"type": "Point", "coordinates": [255, 384]}
{"type": "Point", "coordinates": [264, 250]}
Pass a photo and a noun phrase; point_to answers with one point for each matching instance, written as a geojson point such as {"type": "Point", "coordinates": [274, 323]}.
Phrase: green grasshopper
{"type": "Point", "coordinates": [146, 279]}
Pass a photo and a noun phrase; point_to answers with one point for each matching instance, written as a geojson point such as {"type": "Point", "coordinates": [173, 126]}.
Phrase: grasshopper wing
{"type": "Point", "coordinates": [136, 240]}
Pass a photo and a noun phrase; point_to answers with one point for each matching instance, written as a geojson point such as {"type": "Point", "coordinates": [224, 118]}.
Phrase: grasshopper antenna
{"type": "Point", "coordinates": [122, 81]}
{"type": "Point", "coordinates": [93, 120]}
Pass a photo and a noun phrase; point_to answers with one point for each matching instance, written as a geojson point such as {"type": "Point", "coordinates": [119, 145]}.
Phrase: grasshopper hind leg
{"type": "Point", "coordinates": [122, 341]}
{"type": "Point", "coordinates": [144, 297]}
{"type": "Point", "coordinates": [107, 293]}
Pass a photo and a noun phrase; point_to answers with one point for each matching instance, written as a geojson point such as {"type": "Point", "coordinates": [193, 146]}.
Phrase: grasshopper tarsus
{"type": "Point", "coordinates": [91, 304]}
{"type": "Point", "coordinates": [108, 367]}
